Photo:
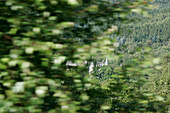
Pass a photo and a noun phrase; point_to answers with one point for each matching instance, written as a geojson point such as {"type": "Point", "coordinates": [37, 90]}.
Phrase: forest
{"type": "Point", "coordinates": [84, 56]}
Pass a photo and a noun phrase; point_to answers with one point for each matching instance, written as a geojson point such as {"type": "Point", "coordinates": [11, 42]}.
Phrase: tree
{"type": "Point", "coordinates": [38, 37]}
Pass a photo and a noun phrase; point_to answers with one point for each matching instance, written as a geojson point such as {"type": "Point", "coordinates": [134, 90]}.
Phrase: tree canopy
{"type": "Point", "coordinates": [38, 37]}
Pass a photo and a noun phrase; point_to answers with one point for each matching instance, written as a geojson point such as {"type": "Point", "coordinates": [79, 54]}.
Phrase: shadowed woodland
{"type": "Point", "coordinates": [84, 56]}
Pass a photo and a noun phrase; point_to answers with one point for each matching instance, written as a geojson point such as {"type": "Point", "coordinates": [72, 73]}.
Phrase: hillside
{"type": "Point", "coordinates": [152, 31]}
{"type": "Point", "coordinates": [47, 47]}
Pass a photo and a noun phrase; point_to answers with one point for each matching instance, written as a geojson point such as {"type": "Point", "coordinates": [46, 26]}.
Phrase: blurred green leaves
{"type": "Point", "coordinates": [38, 37]}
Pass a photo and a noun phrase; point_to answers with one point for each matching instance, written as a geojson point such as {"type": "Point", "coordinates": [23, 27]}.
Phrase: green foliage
{"type": "Point", "coordinates": [38, 37]}
{"type": "Point", "coordinates": [151, 30]}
